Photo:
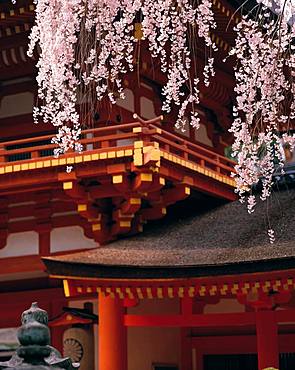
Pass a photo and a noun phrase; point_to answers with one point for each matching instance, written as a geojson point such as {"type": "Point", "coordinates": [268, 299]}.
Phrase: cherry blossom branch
{"type": "Point", "coordinates": [89, 45]}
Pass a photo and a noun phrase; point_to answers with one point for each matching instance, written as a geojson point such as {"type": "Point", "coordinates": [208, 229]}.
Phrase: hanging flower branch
{"type": "Point", "coordinates": [89, 44]}
{"type": "Point", "coordinates": [265, 104]}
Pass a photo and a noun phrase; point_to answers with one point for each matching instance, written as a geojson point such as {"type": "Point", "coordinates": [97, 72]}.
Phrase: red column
{"type": "Point", "coordinates": [44, 242]}
{"type": "Point", "coordinates": [267, 340]}
{"type": "Point", "coordinates": [186, 349]}
{"type": "Point", "coordinates": [112, 334]}
{"type": "Point", "coordinates": [186, 308]}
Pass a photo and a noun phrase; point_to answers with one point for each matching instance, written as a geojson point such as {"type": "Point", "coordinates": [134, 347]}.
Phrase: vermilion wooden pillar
{"type": "Point", "coordinates": [112, 334]}
{"type": "Point", "coordinates": [44, 242]}
{"type": "Point", "coordinates": [186, 349]}
{"type": "Point", "coordinates": [267, 340]}
{"type": "Point", "coordinates": [186, 308]}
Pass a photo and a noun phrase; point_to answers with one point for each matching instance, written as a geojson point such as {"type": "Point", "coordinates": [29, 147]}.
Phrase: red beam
{"type": "Point", "coordinates": [56, 221]}
{"type": "Point", "coordinates": [12, 265]}
{"type": "Point", "coordinates": [55, 207]}
{"type": "Point", "coordinates": [285, 316]}
{"type": "Point", "coordinates": [21, 179]}
{"type": "Point", "coordinates": [267, 340]}
{"type": "Point", "coordinates": [201, 183]}
{"type": "Point", "coordinates": [209, 320]}
{"type": "Point", "coordinates": [31, 295]}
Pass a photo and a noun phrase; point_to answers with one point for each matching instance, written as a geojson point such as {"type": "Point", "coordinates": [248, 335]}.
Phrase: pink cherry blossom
{"type": "Point", "coordinates": [265, 102]}
{"type": "Point", "coordinates": [87, 46]}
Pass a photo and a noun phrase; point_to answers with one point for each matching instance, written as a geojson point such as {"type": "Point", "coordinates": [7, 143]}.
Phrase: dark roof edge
{"type": "Point", "coordinates": [83, 270]}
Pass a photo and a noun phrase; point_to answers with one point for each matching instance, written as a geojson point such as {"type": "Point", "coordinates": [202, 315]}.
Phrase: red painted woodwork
{"type": "Point", "coordinates": [12, 265]}
{"type": "Point", "coordinates": [186, 306]}
{"type": "Point", "coordinates": [44, 243]}
{"type": "Point", "coordinates": [198, 320]}
{"type": "Point", "coordinates": [267, 340]}
{"type": "Point", "coordinates": [56, 309]}
{"type": "Point", "coordinates": [27, 296]}
{"type": "Point", "coordinates": [208, 320]}
{"type": "Point", "coordinates": [56, 221]}
{"type": "Point", "coordinates": [130, 302]}
{"type": "Point", "coordinates": [250, 278]}
{"type": "Point", "coordinates": [142, 177]}
{"type": "Point", "coordinates": [112, 335]}
{"type": "Point", "coordinates": [204, 290]}
{"type": "Point", "coordinates": [11, 314]}
{"type": "Point", "coordinates": [186, 349]}
{"type": "Point", "coordinates": [169, 142]}
{"type": "Point", "coordinates": [13, 304]}
{"type": "Point", "coordinates": [23, 126]}
{"type": "Point", "coordinates": [262, 300]}
{"type": "Point", "coordinates": [67, 319]}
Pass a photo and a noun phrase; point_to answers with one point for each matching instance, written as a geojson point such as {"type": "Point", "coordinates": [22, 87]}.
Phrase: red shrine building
{"type": "Point", "coordinates": [149, 263]}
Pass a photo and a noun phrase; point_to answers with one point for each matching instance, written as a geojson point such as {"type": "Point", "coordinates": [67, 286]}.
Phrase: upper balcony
{"type": "Point", "coordinates": [127, 174]}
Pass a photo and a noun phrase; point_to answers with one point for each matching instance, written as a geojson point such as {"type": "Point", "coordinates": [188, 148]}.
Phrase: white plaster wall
{"type": "Point", "coordinates": [8, 336]}
{"type": "Point", "coordinates": [89, 136]}
{"type": "Point", "coordinates": [202, 136]}
{"type": "Point", "coordinates": [153, 345]}
{"type": "Point", "coordinates": [155, 307]}
{"type": "Point", "coordinates": [17, 104]}
{"type": "Point", "coordinates": [128, 102]}
{"type": "Point", "coordinates": [200, 133]}
{"type": "Point", "coordinates": [21, 244]}
{"type": "Point", "coordinates": [124, 142]}
{"type": "Point", "coordinates": [147, 108]}
{"type": "Point", "coordinates": [70, 238]}
{"type": "Point", "coordinates": [184, 130]}
{"type": "Point", "coordinates": [8, 342]}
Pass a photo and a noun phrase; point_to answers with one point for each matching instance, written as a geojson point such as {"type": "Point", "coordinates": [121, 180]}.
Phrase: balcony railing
{"type": "Point", "coordinates": [110, 138]}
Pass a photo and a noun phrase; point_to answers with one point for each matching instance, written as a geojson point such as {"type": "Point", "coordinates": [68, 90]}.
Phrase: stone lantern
{"type": "Point", "coordinates": [35, 352]}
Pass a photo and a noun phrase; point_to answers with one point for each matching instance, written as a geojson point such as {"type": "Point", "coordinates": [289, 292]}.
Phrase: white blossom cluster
{"type": "Point", "coordinates": [265, 101]}
{"type": "Point", "coordinates": [90, 43]}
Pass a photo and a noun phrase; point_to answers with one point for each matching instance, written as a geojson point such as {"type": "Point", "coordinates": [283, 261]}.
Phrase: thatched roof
{"type": "Point", "coordinates": [224, 240]}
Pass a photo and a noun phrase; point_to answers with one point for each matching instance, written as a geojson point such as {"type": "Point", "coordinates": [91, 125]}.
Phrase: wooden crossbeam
{"type": "Point", "coordinates": [179, 192]}
{"type": "Point", "coordinates": [199, 320]}
{"type": "Point", "coordinates": [154, 213]}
